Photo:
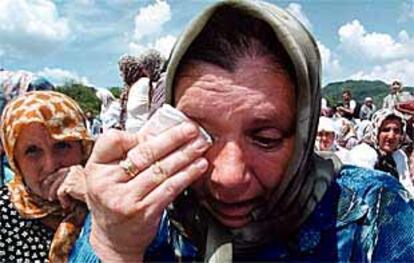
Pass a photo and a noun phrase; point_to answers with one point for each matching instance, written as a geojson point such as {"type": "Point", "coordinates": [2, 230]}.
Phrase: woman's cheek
{"type": "Point", "coordinates": [270, 166]}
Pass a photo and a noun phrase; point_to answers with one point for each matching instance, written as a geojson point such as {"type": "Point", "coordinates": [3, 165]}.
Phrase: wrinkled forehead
{"type": "Point", "coordinates": [256, 94]}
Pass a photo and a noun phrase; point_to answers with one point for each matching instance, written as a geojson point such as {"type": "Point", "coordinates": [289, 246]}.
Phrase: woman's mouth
{"type": "Point", "coordinates": [235, 214]}
{"type": "Point", "coordinates": [390, 143]}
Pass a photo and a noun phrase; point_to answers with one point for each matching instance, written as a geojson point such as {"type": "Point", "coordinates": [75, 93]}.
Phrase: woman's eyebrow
{"type": "Point", "coordinates": [287, 127]}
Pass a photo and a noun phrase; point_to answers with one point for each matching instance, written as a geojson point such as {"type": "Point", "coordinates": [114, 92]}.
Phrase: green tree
{"type": "Point", "coordinates": [83, 95]}
{"type": "Point", "coordinates": [116, 91]}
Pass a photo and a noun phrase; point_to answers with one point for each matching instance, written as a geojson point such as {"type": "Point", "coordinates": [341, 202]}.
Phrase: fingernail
{"type": "Point", "coordinates": [190, 129]}
{"type": "Point", "coordinates": [199, 143]}
{"type": "Point", "coordinates": [201, 164]}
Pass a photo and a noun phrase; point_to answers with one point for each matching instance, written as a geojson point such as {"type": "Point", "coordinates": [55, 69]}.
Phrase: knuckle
{"type": "Point", "coordinates": [141, 207]}
{"type": "Point", "coordinates": [180, 134]}
{"type": "Point", "coordinates": [186, 154]}
{"type": "Point", "coordinates": [139, 138]}
{"type": "Point", "coordinates": [170, 190]}
{"type": "Point", "coordinates": [144, 154]}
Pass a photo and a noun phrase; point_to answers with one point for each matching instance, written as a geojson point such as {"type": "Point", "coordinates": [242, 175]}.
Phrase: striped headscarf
{"type": "Point", "coordinates": [64, 121]}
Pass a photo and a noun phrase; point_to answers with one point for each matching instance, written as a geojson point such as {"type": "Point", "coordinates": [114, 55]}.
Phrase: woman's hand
{"type": "Point", "coordinates": [49, 186]}
{"type": "Point", "coordinates": [126, 209]}
{"type": "Point", "coordinates": [72, 187]}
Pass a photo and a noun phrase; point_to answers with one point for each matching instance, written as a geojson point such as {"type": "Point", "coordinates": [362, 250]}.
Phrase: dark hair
{"type": "Point", "coordinates": [347, 91]}
{"type": "Point", "coordinates": [149, 64]}
{"type": "Point", "coordinates": [231, 35]}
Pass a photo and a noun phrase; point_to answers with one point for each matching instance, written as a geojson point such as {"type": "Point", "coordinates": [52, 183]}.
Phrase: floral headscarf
{"type": "Point", "coordinates": [345, 133]}
{"type": "Point", "coordinates": [65, 121]}
{"type": "Point", "coordinates": [377, 119]}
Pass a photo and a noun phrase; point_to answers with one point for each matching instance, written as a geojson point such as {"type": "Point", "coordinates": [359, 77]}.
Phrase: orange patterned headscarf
{"type": "Point", "coordinates": [64, 121]}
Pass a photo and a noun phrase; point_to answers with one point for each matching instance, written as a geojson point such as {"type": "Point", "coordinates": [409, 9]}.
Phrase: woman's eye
{"type": "Point", "coordinates": [32, 150]}
{"type": "Point", "coordinates": [267, 143]}
{"type": "Point", "coordinates": [62, 146]}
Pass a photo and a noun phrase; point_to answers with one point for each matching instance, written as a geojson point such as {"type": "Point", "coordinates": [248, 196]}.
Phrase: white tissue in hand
{"type": "Point", "coordinates": [167, 117]}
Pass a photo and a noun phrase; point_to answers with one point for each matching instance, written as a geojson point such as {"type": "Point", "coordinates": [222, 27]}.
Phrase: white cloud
{"type": "Point", "coordinates": [61, 76]}
{"type": "Point", "coordinates": [407, 11]}
{"type": "Point", "coordinates": [355, 41]}
{"type": "Point", "coordinates": [148, 24]}
{"type": "Point", "coordinates": [296, 10]}
{"type": "Point", "coordinates": [31, 26]}
{"type": "Point", "coordinates": [150, 19]}
{"type": "Point", "coordinates": [400, 69]}
{"type": "Point", "coordinates": [331, 66]}
{"type": "Point", "coordinates": [163, 45]}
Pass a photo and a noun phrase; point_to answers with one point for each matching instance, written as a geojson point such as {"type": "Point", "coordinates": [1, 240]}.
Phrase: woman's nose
{"type": "Point", "coordinates": [51, 163]}
{"type": "Point", "coordinates": [229, 168]}
{"type": "Point", "coordinates": [392, 134]}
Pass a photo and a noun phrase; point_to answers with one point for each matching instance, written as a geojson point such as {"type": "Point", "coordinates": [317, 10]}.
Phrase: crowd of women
{"type": "Point", "coordinates": [231, 175]}
{"type": "Point", "coordinates": [383, 142]}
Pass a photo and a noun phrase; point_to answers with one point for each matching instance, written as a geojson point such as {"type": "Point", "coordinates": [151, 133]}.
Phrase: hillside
{"type": "Point", "coordinates": [85, 96]}
{"type": "Point", "coordinates": [360, 89]}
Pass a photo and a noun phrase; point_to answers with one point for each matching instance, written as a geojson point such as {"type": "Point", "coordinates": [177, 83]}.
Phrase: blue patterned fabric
{"type": "Point", "coordinates": [366, 215]}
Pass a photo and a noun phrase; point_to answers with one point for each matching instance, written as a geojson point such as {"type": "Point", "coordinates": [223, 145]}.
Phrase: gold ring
{"type": "Point", "coordinates": [159, 174]}
{"type": "Point", "coordinates": [129, 167]}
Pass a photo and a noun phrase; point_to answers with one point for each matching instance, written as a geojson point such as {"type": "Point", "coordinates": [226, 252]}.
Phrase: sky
{"type": "Point", "coordinates": [82, 40]}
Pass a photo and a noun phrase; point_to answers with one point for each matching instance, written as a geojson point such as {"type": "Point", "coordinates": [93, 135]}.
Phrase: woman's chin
{"type": "Point", "coordinates": [231, 221]}
{"type": "Point", "coordinates": [234, 223]}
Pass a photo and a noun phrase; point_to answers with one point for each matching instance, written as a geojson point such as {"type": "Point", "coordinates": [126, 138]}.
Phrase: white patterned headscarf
{"type": "Point", "coordinates": [378, 118]}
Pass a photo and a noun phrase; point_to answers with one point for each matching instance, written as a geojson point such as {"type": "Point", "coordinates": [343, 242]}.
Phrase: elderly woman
{"type": "Point", "coordinates": [13, 84]}
{"type": "Point", "coordinates": [325, 144]}
{"type": "Point", "coordinates": [325, 138]}
{"type": "Point", "coordinates": [381, 149]}
{"type": "Point", "coordinates": [248, 73]}
{"type": "Point", "coordinates": [347, 137]}
{"type": "Point", "coordinates": [45, 140]}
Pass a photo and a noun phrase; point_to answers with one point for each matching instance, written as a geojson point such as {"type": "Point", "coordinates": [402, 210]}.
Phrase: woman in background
{"type": "Point", "coordinates": [381, 149]}
{"type": "Point", "coordinates": [13, 84]}
{"type": "Point", "coordinates": [142, 94]}
{"type": "Point", "coordinates": [46, 142]}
